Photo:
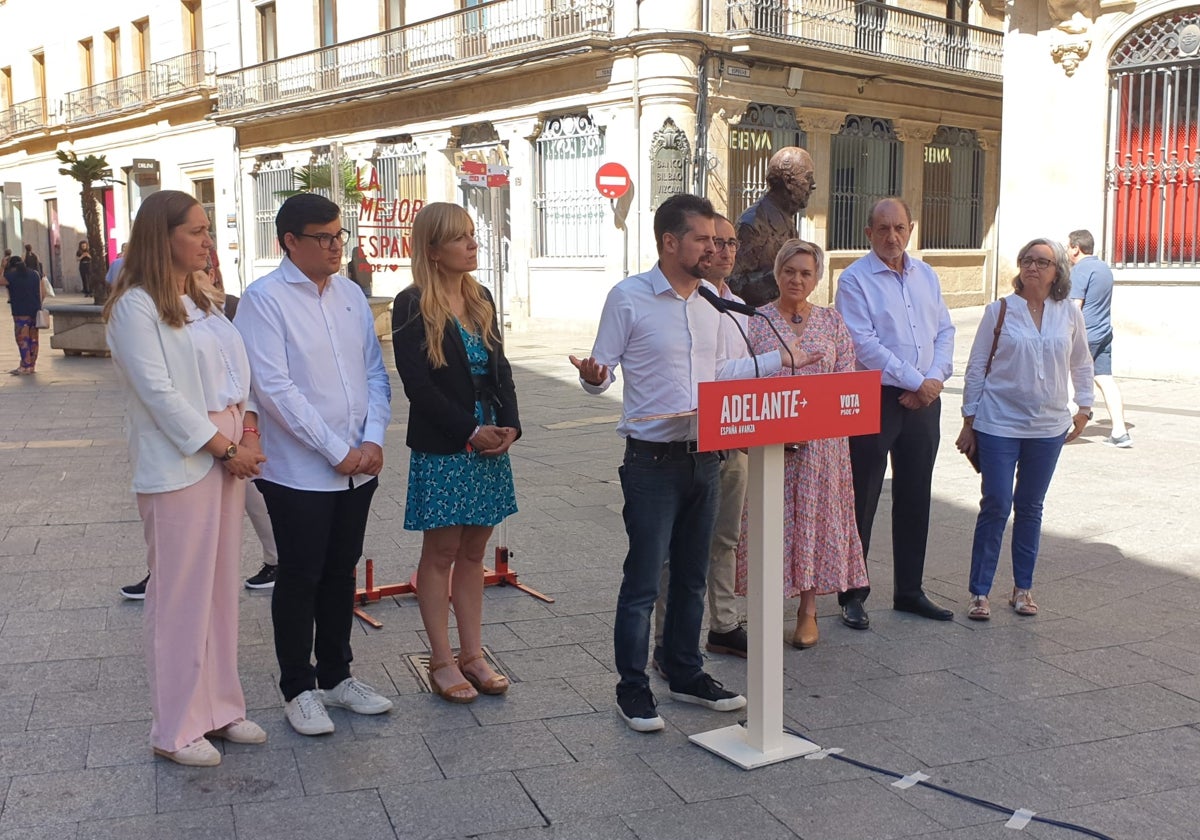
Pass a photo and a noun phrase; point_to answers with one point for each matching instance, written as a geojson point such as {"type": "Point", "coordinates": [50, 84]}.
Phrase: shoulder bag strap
{"type": "Point", "coordinates": [996, 335]}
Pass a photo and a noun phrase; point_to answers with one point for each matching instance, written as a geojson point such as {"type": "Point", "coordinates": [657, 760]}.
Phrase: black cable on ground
{"type": "Point", "coordinates": [974, 800]}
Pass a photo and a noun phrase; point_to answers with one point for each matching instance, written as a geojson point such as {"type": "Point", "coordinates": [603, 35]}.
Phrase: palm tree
{"type": "Point", "coordinates": [318, 177]}
{"type": "Point", "coordinates": [87, 171]}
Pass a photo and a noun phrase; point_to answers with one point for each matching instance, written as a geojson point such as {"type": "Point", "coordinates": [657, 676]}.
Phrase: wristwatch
{"type": "Point", "coordinates": [230, 452]}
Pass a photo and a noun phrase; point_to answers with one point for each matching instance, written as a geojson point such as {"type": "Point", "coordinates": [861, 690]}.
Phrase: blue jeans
{"type": "Point", "coordinates": [670, 512]}
{"type": "Point", "coordinates": [1033, 461]}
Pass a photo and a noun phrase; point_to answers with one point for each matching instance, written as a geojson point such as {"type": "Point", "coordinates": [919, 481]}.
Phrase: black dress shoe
{"type": "Point", "coordinates": [922, 606]}
{"type": "Point", "coordinates": [854, 614]}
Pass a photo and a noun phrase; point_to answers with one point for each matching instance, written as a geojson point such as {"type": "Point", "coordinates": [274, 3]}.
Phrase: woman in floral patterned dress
{"type": "Point", "coordinates": [821, 549]}
{"type": "Point", "coordinates": [462, 420]}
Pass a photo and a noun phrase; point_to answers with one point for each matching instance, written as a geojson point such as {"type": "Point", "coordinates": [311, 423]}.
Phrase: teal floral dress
{"type": "Point", "coordinates": [464, 488]}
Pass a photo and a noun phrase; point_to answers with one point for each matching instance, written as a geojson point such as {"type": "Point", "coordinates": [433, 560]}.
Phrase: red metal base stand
{"type": "Point", "coordinates": [502, 575]}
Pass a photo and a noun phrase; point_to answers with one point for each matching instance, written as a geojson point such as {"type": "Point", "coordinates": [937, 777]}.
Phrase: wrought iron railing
{"type": "Point", "coordinates": [488, 30]}
{"type": "Point", "coordinates": [22, 118]}
{"type": "Point", "coordinates": [167, 79]}
{"type": "Point", "coordinates": [183, 74]}
{"type": "Point", "coordinates": [876, 28]}
{"type": "Point", "coordinates": [106, 99]}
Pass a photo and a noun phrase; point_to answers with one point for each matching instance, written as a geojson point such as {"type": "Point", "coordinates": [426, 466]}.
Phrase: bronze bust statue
{"type": "Point", "coordinates": [769, 222]}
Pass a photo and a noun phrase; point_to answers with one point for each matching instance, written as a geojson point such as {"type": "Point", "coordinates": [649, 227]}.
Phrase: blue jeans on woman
{"type": "Point", "coordinates": [1032, 460]}
{"type": "Point", "coordinates": [670, 512]}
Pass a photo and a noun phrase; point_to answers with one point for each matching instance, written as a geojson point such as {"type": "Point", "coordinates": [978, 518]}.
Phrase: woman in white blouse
{"type": "Point", "coordinates": [1016, 416]}
{"type": "Point", "coordinates": [192, 441]}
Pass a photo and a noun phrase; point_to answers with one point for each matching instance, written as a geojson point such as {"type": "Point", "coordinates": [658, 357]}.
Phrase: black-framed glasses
{"type": "Point", "coordinates": [326, 240]}
{"type": "Point", "coordinates": [722, 244]}
{"type": "Point", "coordinates": [1041, 262]}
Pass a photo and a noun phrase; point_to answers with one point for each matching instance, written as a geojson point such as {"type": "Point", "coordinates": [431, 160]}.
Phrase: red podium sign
{"type": "Point", "coordinates": [740, 413]}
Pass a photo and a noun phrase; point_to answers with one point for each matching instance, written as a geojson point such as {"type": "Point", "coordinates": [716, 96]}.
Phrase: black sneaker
{"type": "Point", "coordinates": [733, 642]}
{"type": "Point", "coordinates": [136, 591]}
{"type": "Point", "coordinates": [636, 705]}
{"type": "Point", "coordinates": [705, 691]}
{"type": "Point", "coordinates": [264, 578]}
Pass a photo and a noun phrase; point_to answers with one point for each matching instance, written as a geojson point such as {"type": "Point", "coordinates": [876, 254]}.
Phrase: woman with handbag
{"type": "Point", "coordinates": [25, 296]}
{"type": "Point", "coordinates": [462, 420]}
{"type": "Point", "coordinates": [1016, 416]}
{"type": "Point", "coordinates": [193, 441]}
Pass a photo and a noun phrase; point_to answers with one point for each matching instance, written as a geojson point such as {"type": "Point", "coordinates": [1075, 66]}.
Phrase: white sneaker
{"type": "Point", "coordinates": [357, 696]}
{"type": "Point", "coordinates": [307, 716]}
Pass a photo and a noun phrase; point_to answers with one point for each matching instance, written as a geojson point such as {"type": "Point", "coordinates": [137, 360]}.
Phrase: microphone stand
{"type": "Point", "coordinates": [727, 306]}
{"type": "Point", "coordinates": [746, 338]}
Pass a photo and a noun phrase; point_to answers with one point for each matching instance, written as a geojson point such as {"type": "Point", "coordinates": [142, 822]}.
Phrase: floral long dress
{"type": "Point", "coordinates": [821, 548]}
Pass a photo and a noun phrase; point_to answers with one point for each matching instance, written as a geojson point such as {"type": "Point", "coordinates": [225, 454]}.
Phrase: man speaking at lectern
{"type": "Point", "coordinates": [667, 339]}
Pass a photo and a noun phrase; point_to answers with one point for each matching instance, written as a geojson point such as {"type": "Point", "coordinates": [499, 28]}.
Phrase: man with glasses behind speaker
{"type": "Point", "coordinates": [322, 390]}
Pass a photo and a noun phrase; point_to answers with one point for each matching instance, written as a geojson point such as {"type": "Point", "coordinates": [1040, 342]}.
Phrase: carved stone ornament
{"type": "Point", "coordinates": [1070, 54]}
{"type": "Point", "coordinates": [670, 157]}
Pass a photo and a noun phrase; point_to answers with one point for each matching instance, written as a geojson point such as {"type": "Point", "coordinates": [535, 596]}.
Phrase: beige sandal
{"type": "Point", "coordinates": [495, 684]}
{"type": "Point", "coordinates": [978, 608]}
{"type": "Point", "coordinates": [1022, 602]}
{"type": "Point", "coordinates": [451, 694]}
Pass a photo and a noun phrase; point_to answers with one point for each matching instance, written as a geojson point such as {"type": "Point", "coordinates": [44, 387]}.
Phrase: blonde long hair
{"type": "Point", "coordinates": [437, 224]}
{"type": "Point", "coordinates": [148, 263]}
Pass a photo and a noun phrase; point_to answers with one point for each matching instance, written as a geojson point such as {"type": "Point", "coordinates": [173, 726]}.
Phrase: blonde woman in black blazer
{"type": "Point", "coordinates": [462, 421]}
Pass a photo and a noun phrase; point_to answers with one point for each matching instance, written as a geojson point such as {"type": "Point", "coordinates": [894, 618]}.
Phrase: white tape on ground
{"type": "Point", "coordinates": [1019, 819]}
{"type": "Point", "coordinates": [822, 753]}
{"type": "Point", "coordinates": [909, 780]}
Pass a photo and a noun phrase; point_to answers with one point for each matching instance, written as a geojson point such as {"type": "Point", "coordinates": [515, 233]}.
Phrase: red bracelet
{"type": "Point", "coordinates": [250, 429]}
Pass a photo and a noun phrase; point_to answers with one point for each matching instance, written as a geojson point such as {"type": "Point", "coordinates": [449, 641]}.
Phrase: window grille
{"type": "Point", "coordinates": [865, 165]}
{"type": "Point", "coordinates": [1153, 171]}
{"type": "Point", "coordinates": [570, 212]}
{"type": "Point", "coordinates": [268, 183]}
{"type": "Point", "coordinates": [763, 130]}
{"type": "Point", "coordinates": [401, 174]}
{"type": "Point", "coordinates": [952, 203]}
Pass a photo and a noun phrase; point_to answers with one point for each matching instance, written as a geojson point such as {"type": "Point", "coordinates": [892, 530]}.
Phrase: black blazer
{"type": "Point", "coordinates": [441, 415]}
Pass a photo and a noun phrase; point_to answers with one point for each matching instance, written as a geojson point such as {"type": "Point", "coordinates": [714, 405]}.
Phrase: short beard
{"type": "Point", "coordinates": [696, 271]}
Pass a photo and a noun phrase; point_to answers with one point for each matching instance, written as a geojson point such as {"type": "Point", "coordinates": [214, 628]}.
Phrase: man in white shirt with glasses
{"type": "Point", "coordinates": [324, 405]}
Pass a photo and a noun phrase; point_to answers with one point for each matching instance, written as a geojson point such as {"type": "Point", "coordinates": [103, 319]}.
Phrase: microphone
{"type": "Point", "coordinates": [721, 305]}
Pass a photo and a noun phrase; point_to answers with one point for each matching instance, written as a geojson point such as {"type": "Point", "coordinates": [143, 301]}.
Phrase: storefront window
{"type": "Point", "coordinates": [762, 131]}
{"type": "Point", "coordinates": [952, 202]}
{"type": "Point", "coordinates": [865, 165]}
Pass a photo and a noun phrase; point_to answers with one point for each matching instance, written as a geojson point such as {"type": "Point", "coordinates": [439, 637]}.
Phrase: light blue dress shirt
{"type": "Point", "coordinates": [318, 376]}
{"type": "Point", "coordinates": [898, 321]}
{"type": "Point", "coordinates": [666, 345]}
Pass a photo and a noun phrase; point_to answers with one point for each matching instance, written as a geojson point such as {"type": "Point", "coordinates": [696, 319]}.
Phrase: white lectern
{"type": "Point", "coordinates": [762, 415]}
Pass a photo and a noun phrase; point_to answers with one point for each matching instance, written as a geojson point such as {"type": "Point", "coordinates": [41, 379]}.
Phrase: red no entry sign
{"type": "Point", "coordinates": [612, 180]}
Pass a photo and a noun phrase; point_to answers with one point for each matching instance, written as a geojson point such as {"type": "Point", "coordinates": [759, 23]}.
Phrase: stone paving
{"type": "Point", "coordinates": [1088, 713]}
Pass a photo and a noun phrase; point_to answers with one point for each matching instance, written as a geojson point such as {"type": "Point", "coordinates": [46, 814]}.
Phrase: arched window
{"type": "Point", "coordinates": [1153, 171]}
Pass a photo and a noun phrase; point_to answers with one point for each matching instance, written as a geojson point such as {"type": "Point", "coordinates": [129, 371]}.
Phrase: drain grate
{"type": "Point", "coordinates": [418, 664]}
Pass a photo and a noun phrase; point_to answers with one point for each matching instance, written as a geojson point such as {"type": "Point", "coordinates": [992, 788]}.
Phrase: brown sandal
{"type": "Point", "coordinates": [1022, 602]}
{"type": "Point", "coordinates": [495, 684]}
{"type": "Point", "coordinates": [450, 694]}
